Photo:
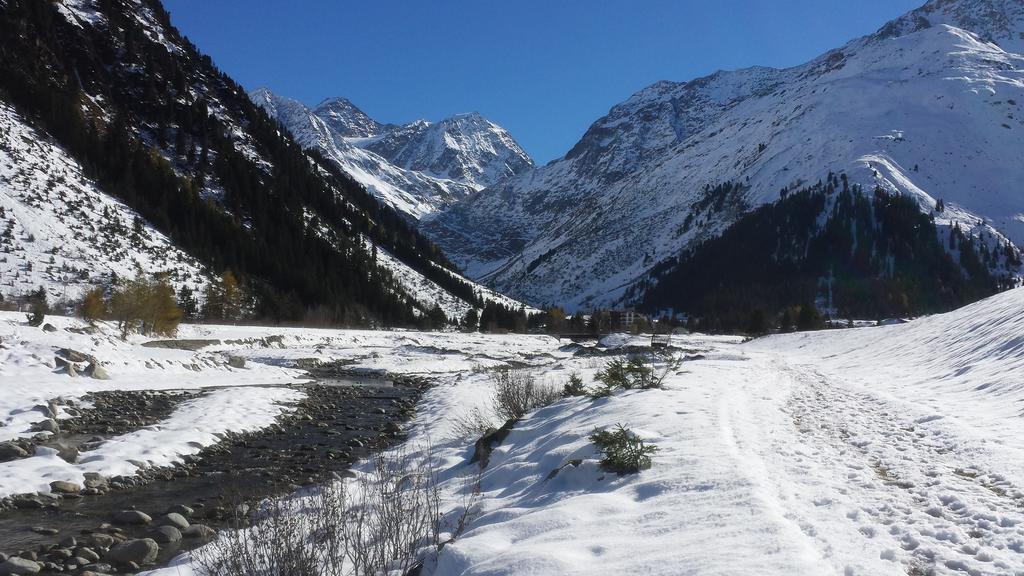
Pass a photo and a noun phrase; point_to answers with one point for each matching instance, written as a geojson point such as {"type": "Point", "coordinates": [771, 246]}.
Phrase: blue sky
{"type": "Point", "coordinates": [543, 69]}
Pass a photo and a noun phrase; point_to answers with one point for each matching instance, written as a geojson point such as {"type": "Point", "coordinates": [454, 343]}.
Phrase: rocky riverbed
{"type": "Point", "coordinates": [117, 525]}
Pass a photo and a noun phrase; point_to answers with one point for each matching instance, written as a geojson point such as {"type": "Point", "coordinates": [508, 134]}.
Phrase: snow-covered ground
{"type": "Point", "coordinates": [883, 450]}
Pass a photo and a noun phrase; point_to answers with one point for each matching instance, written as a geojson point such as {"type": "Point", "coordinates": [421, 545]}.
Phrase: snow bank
{"type": "Point", "coordinates": [192, 426]}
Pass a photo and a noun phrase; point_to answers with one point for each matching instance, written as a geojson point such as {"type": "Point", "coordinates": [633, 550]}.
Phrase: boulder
{"type": "Point", "coordinates": [68, 367]}
{"type": "Point", "coordinates": [96, 372]}
{"type": "Point", "coordinates": [15, 566]}
{"type": "Point", "coordinates": [10, 451]}
{"type": "Point", "coordinates": [173, 519]}
{"type": "Point", "coordinates": [236, 361]}
{"type": "Point", "coordinates": [199, 531]}
{"type": "Point", "coordinates": [49, 327]}
{"type": "Point", "coordinates": [63, 487]}
{"type": "Point", "coordinates": [132, 517]}
{"type": "Point", "coordinates": [141, 551]}
{"type": "Point", "coordinates": [76, 356]}
{"type": "Point", "coordinates": [47, 425]}
{"type": "Point", "coordinates": [95, 480]}
{"type": "Point", "coordinates": [44, 410]}
{"type": "Point", "coordinates": [166, 534]}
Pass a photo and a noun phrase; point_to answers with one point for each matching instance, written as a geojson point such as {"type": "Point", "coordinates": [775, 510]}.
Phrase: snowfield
{"type": "Point", "coordinates": [888, 450]}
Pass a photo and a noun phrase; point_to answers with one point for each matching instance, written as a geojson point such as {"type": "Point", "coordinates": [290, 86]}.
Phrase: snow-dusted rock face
{"type": "Point", "coordinates": [408, 191]}
{"type": "Point", "coordinates": [418, 168]}
{"type": "Point", "coordinates": [925, 107]}
{"type": "Point", "coordinates": [466, 148]}
{"type": "Point", "coordinates": [346, 119]}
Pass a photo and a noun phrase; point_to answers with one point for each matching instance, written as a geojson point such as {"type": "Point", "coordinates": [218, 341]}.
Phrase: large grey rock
{"type": "Point", "coordinates": [10, 451]}
{"type": "Point", "coordinates": [15, 566]}
{"type": "Point", "coordinates": [96, 372]}
{"type": "Point", "coordinates": [236, 361]}
{"type": "Point", "coordinates": [141, 551]}
{"type": "Point", "coordinates": [132, 517]}
{"type": "Point", "coordinates": [166, 534]}
{"type": "Point", "coordinates": [63, 487]}
{"type": "Point", "coordinates": [173, 519]}
{"type": "Point", "coordinates": [76, 356]}
{"type": "Point", "coordinates": [47, 425]}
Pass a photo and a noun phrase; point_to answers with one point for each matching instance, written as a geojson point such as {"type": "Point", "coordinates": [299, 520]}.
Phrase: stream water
{"type": "Point", "coordinates": [340, 421]}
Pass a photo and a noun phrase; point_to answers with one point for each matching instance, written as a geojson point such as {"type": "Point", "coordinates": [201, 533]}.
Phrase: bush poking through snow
{"type": "Point", "coordinates": [634, 373]}
{"type": "Point", "coordinates": [516, 393]}
{"type": "Point", "coordinates": [624, 451]}
{"type": "Point", "coordinates": [384, 522]}
{"type": "Point", "coordinates": [574, 387]}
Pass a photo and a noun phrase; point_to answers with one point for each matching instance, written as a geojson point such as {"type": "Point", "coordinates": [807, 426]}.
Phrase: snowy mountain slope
{"type": "Point", "coordinates": [411, 193]}
{"type": "Point", "coordinates": [466, 148]}
{"type": "Point", "coordinates": [930, 111]}
{"type": "Point", "coordinates": [169, 139]}
{"type": "Point", "coordinates": [59, 231]}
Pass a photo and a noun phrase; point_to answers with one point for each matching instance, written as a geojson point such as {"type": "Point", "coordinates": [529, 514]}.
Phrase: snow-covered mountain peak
{"type": "Point", "coordinates": [347, 119]}
{"type": "Point", "coordinates": [997, 21]}
{"type": "Point", "coordinates": [464, 147]}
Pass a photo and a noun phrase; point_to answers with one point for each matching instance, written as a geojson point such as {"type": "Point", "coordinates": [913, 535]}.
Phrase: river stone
{"type": "Point", "coordinates": [199, 531]}
{"type": "Point", "coordinates": [62, 487]}
{"type": "Point", "coordinates": [15, 566]}
{"type": "Point", "coordinates": [101, 540]}
{"type": "Point", "coordinates": [173, 519]}
{"type": "Point", "coordinates": [166, 534]}
{"type": "Point", "coordinates": [181, 509]}
{"type": "Point", "coordinates": [28, 501]}
{"type": "Point", "coordinates": [95, 480]}
{"type": "Point", "coordinates": [44, 410]}
{"type": "Point", "coordinates": [132, 517]}
{"type": "Point", "coordinates": [10, 450]}
{"type": "Point", "coordinates": [142, 551]}
{"type": "Point", "coordinates": [88, 553]}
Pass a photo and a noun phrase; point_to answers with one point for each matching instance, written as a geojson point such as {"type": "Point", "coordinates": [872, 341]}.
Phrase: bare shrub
{"type": "Point", "coordinates": [516, 393]}
{"type": "Point", "coordinates": [381, 522]}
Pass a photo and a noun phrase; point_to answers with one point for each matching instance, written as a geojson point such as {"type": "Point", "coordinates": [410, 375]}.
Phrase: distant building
{"type": "Point", "coordinates": [625, 319]}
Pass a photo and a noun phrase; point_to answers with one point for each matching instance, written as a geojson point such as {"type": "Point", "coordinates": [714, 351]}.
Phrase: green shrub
{"type": "Point", "coordinates": [629, 374]}
{"type": "Point", "coordinates": [574, 387]}
{"type": "Point", "coordinates": [624, 451]}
